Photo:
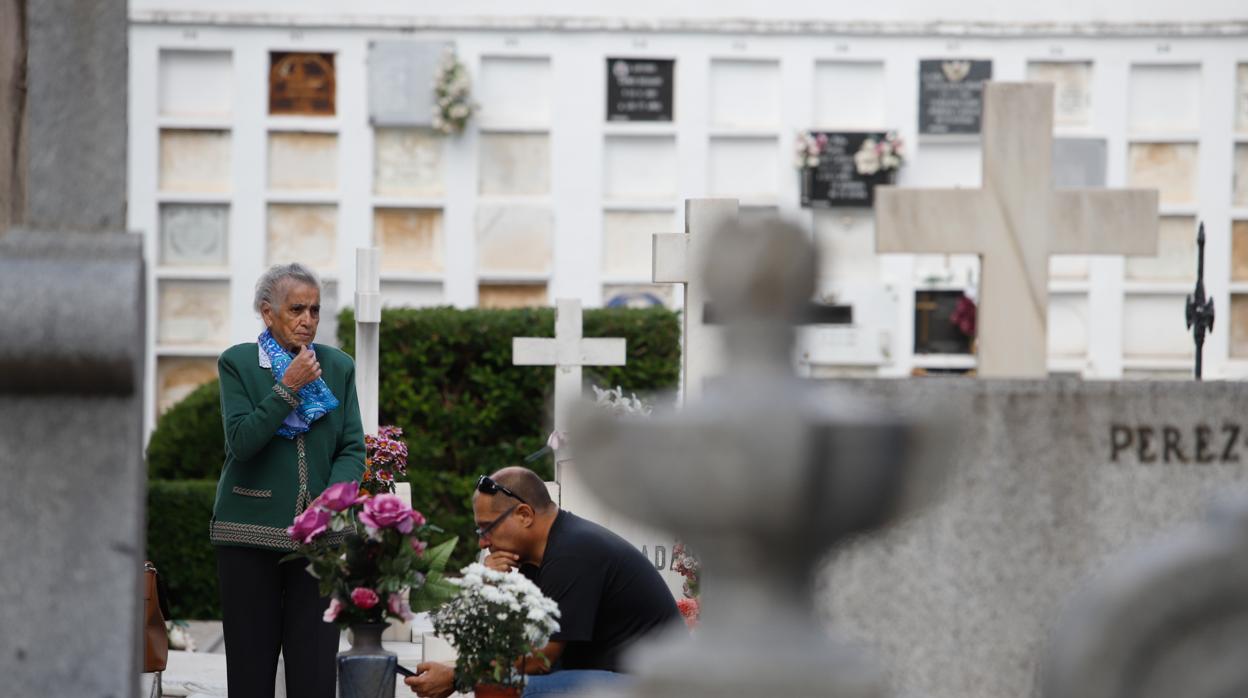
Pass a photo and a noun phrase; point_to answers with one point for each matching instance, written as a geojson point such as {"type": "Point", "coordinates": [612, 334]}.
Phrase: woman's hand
{"type": "Point", "coordinates": [303, 370]}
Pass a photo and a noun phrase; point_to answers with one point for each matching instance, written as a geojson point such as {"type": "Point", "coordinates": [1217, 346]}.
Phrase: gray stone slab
{"type": "Point", "coordinates": [76, 114]}
{"type": "Point", "coordinates": [72, 504]}
{"type": "Point", "coordinates": [1052, 479]}
{"type": "Point", "coordinates": [401, 75]}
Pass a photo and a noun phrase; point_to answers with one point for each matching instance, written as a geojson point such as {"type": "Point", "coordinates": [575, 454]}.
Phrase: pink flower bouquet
{"type": "Point", "coordinates": [371, 555]}
{"type": "Point", "coordinates": [385, 460]}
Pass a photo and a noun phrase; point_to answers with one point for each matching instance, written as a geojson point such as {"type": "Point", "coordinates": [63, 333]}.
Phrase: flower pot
{"type": "Point", "coordinates": [493, 690]}
{"type": "Point", "coordinates": [366, 670]}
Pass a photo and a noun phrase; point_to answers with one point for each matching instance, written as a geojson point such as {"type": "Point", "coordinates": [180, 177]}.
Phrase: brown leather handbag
{"type": "Point", "coordinates": [155, 639]}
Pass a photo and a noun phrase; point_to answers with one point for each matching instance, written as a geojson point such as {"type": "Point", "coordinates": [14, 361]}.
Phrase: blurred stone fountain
{"type": "Point", "coordinates": [761, 478]}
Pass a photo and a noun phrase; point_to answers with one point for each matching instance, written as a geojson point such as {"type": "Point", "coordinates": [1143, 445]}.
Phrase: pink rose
{"type": "Point", "coordinates": [331, 613]}
{"type": "Point", "coordinates": [340, 496]}
{"type": "Point", "coordinates": [309, 525]}
{"type": "Point", "coordinates": [387, 511]}
{"type": "Point", "coordinates": [398, 606]}
{"type": "Point", "coordinates": [418, 545]}
{"type": "Point", "coordinates": [364, 598]}
{"type": "Point", "coordinates": [418, 518]}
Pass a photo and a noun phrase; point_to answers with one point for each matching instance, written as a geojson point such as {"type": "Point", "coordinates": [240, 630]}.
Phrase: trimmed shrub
{"type": "Point", "coordinates": [189, 442]}
{"type": "Point", "coordinates": [178, 513]}
{"type": "Point", "coordinates": [448, 381]}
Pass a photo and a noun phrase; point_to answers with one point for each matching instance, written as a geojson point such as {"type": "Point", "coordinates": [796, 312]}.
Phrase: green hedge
{"type": "Point", "coordinates": [448, 381]}
{"type": "Point", "coordinates": [177, 543]}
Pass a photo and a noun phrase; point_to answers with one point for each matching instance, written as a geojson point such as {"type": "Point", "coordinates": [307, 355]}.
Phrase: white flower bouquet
{"type": "Point", "coordinates": [884, 155]}
{"type": "Point", "coordinates": [496, 619]}
{"type": "Point", "coordinates": [451, 92]}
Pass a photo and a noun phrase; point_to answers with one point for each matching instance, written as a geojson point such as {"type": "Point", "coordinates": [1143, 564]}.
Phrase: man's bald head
{"type": "Point", "coordinates": [527, 484]}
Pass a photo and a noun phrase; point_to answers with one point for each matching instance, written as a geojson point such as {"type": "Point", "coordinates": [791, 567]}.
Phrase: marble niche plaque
{"type": "Point", "coordinates": [627, 241]}
{"type": "Point", "coordinates": [193, 313]}
{"type": "Point", "coordinates": [408, 162]}
{"type": "Point", "coordinates": [194, 235]}
{"type": "Point", "coordinates": [745, 93]}
{"type": "Point", "coordinates": [1239, 250]}
{"type": "Point", "coordinates": [640, 89]}
{"type": "Point", "coordinates": [1176, 253]}
{"type": "Point", "coordinates": [400, 81]}
{"type": "Point", "coordinates": [304, 233]}
{"type": "Point", "coordinates": [410, 239]}
{"type": "Point", "coordinates": [411, 294]}
{"type": "Point", "coordinates": [514, 91]}
{"type": "Point", "coordinates": [1168, 167]}
{"type": "Point", "coordinates": [196, 83]}
{"type": "Point", "coordinates": [1239, 196]}
{"type": "Point", "coordinates": [327, 331]}
{"type": "Point", "coordinates": [194, 161]}
{"type": "Point", "coordinates": [177, 377]}
{"type": "Point", "coordinates": [1239, 325]}
{"type": "Point", "coordinates": [850, 95]}
{"type": "Point", "coordinates": [504, 296]}
{"type": "Point", "coordinates": [1163, 99]}
{"type": "Point", "coordinates": [951, 95]}
{"type": "Point", "coordinates": [1153, 327]}
{"type": "Point", "coordinates": [1072, 90]}
{"type": "Point", "coordinates": [1241, 98]}
{"type": "Point", "coordinates": [513, 239]}
{"type": "Point", "coordinates": [1068, 325]}
{"type": "Point", "coordinates": [846, 242]}
{"type": "Point", "coordinates": [514, 164]}
{"type": "Point", "coordinates": [639, 167]}
{"type": "Point", "coordinates": [744, 168]}
{"type": "Point", "coordinates": [303, 161]}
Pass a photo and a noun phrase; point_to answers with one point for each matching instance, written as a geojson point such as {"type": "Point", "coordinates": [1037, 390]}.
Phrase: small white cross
{"type": "Point", "coordinates": [677, 259]}
{"type": "Point", "coordinates": [567, 352]}
{"type": "Point", "coordinates": [1015, 222]}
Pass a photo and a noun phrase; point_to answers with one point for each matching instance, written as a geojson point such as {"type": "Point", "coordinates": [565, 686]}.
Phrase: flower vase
{"type": "Point", "coordinates": [493, 690]}
{"type": "Point", "coordinates": [366, 670]}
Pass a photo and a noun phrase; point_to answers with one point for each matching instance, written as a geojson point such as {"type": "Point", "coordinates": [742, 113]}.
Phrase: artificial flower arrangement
{"type": "Point", "coordinates": [453, 104]}
{"type": "Point", "coordinates": [385, 460]}
{"type": "Point", "coordinates": [370, 554]}
{"type": "Point", "coordinates": [495, 620]}
{"type": "Point", "coordinates": [883, 155]}
{"type": "Point", "coordinates": [689, 567]}
{"type": "Point", "coordinates": [808, 149]}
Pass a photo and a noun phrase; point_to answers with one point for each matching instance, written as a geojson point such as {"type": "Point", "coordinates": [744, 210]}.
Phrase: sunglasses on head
{"type": "Point", "coordinates": [486, 485]}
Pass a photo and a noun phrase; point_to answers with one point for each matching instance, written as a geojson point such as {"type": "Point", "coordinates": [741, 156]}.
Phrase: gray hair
{"type": "Point", "coordinates": [266, 287]}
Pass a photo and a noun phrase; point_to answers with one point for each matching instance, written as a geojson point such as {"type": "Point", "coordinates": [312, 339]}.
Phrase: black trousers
{"type": "Point", "coordinates": [270, 606]}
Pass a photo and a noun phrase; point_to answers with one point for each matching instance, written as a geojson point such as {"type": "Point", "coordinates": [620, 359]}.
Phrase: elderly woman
{"type": "Point", "coordinates": [292, 428]}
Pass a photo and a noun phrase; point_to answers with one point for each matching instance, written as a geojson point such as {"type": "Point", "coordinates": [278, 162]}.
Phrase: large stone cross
{"type": "Point", "coordinates": [1015, 222]}
{"type": "Point", "coordinates": [567, 352]}
{"type": "Point", "coordinates": [676, 259]}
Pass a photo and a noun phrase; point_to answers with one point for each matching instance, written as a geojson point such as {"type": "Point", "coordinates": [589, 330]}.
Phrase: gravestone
{"type": "Point", "coordinates": [71, 369]}
{"type": "Point", "coordinates": [951, 95]}
{"type": "Point", "coordinates": [1167, 619]}
{"type": "Point", "coordinates": [1055, 478]}
{"type": "Point", "coordinates": [1016, 221]}
{"type": "Point", "coordinates": [401, 77]}
{"type": "Point", "coordinates": [761, 477]}
{"type": "Point", "coordinates": [835, 181]}
{"type": "Point", "coordinates": [640, 89]}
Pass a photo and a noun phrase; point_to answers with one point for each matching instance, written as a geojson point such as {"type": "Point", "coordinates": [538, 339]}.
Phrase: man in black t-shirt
{"type": "Point", "coordinates": [609, 594]}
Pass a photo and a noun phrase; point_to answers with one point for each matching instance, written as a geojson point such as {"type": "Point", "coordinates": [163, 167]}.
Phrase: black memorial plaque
{"type": "Point", "coordinates": [951, 95]}
{"type": "Point", "coordinates": [639, 89]}
{"type": "Point", "coordinates": [934, 329]}
{"type": "Point", "coordinates": [835, 182]}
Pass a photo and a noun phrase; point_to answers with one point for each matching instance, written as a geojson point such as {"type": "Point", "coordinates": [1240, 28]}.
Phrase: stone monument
{"type": "Point", "coordinates": [73, 313]}
{"type": "Point", "coordinates": [761, 477]}
{"type": "Point", "coordinates": [1167, 619]}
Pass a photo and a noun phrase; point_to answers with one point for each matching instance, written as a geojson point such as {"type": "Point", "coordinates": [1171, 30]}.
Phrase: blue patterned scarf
{"type": "Point", "coordinates": [317, 399]}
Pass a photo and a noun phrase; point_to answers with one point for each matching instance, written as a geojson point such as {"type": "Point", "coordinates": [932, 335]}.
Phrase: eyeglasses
{"type": "Point", "coordinates": [483, 532]}
{"type": "Point", "coordinates": [486, 485]}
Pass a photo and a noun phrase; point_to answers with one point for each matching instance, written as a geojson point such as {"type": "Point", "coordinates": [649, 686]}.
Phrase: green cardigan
{"type": "Point", "coordinates": [267, 479]}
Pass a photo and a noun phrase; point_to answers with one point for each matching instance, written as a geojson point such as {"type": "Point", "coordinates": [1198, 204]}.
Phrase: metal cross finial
{"type": "Point", "coordinates": [1199, 308]}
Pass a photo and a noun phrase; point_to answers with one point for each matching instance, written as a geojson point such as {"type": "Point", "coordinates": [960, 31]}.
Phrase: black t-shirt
{"type": "Point", "coordinates": [609, 594]}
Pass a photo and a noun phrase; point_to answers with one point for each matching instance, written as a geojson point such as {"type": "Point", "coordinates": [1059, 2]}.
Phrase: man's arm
{"type": "Point", "coordinates": [535, 664]}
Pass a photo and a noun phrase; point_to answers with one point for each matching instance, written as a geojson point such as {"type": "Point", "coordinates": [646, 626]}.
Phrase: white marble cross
{"type": "Point", "coordinates": [677, 259]}
{"type": "Point", "coordinates": [1014, 223]}
{"type": "Point", "coordinates": [567, 352]}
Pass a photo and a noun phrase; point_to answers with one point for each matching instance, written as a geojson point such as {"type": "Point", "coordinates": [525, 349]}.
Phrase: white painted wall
{"type": "Point", "coordinates": [595, 170]}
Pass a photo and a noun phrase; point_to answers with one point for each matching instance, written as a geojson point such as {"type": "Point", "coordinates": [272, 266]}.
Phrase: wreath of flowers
{"type": "Point", "coordinates": [451, 91]}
